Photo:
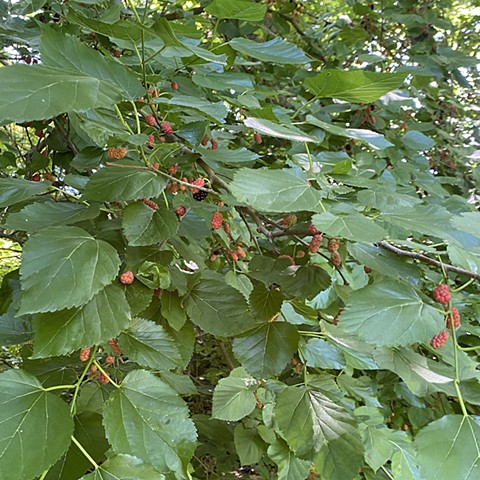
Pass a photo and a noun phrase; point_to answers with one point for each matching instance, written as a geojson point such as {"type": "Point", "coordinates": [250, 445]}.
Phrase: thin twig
{"type": "Point", "coordinates": [430, 261]}
{"type": "Point", "coordinates": [226, 356]}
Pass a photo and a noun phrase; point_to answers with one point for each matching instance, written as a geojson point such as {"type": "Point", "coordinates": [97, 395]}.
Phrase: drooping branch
{"type": "Point", "coordinates": [424, 259]}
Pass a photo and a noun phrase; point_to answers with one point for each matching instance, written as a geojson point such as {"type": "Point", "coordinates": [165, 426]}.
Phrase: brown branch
{"type": "Point", "coordinates": [225, 355]}
{"type": "Point", "coordinates": [430, 261]}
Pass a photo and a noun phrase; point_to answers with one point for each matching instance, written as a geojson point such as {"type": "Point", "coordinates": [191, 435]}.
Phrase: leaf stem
{"type": "Point", "coordinates": [304, 106]}
{"type": "Point", "coordinates": [116, 385]}
{"type": "Point", "coordinates": [87, 455]}
{"type": "Point", "coordinates": [79, 382]}
{"type": "Point", "coordinates": [59, 387]}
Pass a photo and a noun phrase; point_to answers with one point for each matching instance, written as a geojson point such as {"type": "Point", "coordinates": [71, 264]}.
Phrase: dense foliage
{"type": "Point", "coordinates": [249, 236]}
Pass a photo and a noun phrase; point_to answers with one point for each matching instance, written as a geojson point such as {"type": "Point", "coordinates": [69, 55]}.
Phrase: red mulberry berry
{"type": "Point", "coordinates": [93, 369]}
{"type": "Point", "coordinates": [288, 257]}
{"type": "Point", "coordinates": [180, 210]}
{"type": "Point", "coordinates": [456, 318]}
{"type": "Point", "coordinates": [217, 220]}
{"type": "Point", "coordinates": [105, 379]}
{"type": "Point", "coordinates": [110, 359]}
{"type": "Point", "coordinates": [240, 252]}
{"type": "Point", "coordinates": [39, 133]}
{"type": "Point", "coordinates": [167, 128]}
{"type": "Point", "coordinates": [150, 120]}
{"type": "Point", "coordinates": [315, 243]}
{"type": "Point", "coordinates": [199, 182]}
{"type": "Point", "coordinates": [438, 341]}
{"type": "Point", "coordinates": [117, 153]}
{"type": "Point", "coordinates": [150, 203]}
{"type": "Point", "coordinates": [233, 255]}
{"type": "Point", "coordinates": [127, 278]}
{"type": "Point", "coordinates": [313, 230]}
{"type": "Point", "coordinates": [213, 257]}
{"type": "Point", "coordinates": [441, 294]}
{"type": "Point", "coordinates": [157, 292]}
{"type": "Point", "coordinates": [300, 254]}
{"type": "Point", "coordinates": [333, 245]}
{"type": "Point", "coordinates": [162, 139]}
{"type": "Point", "coordinates": [174, 85]}
{"type": "Point", "coordinates": [336, 259]}
{"type": "Point", "coordinates": [213, 144]}
{"type": "Point", "coordinates": [84, 354]}
{"type": "Point", "coordinates": [114, 346]}
{"type": "Point", "coordinates": [172, 169]}
{"type": "Point", "coordinates": [257, 137]}
{"type": "Point", "coordinates": [150, 141]}
{"type": "Point", "coordinates": [36, 177]}
{"type": "Point", "coordinates": [204, 140]}
{"type": "Point", "coordinates": [155, 166]}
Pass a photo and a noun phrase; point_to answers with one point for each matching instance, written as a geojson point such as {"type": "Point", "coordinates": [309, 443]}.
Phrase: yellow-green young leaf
{"type": "Point", "coordinates": [123, 184]}
{"type": "Point", "coordinates": [277, 50]}
{"type": "Point", "coordinates": [149, 345]}
{"type": "Point", "coordinates": [35, 426]}
{"type": "Point", "coordinates": [266, 350]}
{"type": "Point", "coordinates": [39, 92]}
{"type": "Point", "coordinates": [237, 9]}
{"type": "Point", "coordinates": [354, 86]}
{"type": "Point", "coordinates": [450, 448]}
{"type": "Point", "coordinates": [102, 318]}
{"type": "Point", "coordinates": [64, 267]}
{"type": "Point", "coordinates": [15, 190]}
{"type": "Point", "coordinates": [233, 397]}
{"type": "Point", "coordinates": [390, 313]}
{"type": "Point", "coordinates": [275, 191]}
{"type": "Point", "coordinates": [124, 467]}
{"type": "Point", "coordinates": [146, 418]}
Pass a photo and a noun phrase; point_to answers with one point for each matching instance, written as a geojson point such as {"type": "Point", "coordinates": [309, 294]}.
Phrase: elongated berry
{"type": "Point", "coordinates": [199, 182]}
{"type": "Point", "coordinates": [174, 85]}
{"type": "Point", "coordinates": [441, 294]}
{"type": "Point", "coordinates": [114, 346]}
{"type": "Point", "coordinates": [127, 278]}
{"type": "Point", "coordinates": [117, 153]}
{"type": "Point", "coordinates": [150, 203]}
{"type": "Point", "coordinates": [167, 128]}
{"type": "Point", "coordinates": [257, 137]}
{"type": "Point", "coordinates": [217, 220]}
{"type": "Point", "coordinates": [315, 243]}
{"type": "Point", "coordinates": [213, 144]}
{"type": "Point", "coordinates": [205, 140]}
{"type": "Point", "coordinates": [336, 259]}
{"type": "Point", "coordinates": [150, 141]}
{"type": "Point", "coordinates": [333, 245]}
{"type": "Point", "coordinates": [84, 354]}
{"type": "Point", "coordinates": [180, 210]}
{"type": "Point", "coordinates": [455, 314]}
{"type": "Point", "coordinates": [150, 120]}
{"type": "Point", "coordinates": [438, 341]}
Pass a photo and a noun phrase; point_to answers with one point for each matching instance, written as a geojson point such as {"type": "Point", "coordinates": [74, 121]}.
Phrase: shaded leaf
{"type": "Point", "coordinates": [266, 350]}
{"type": "Point", "coordinates": [248, 445]}
{"type": "Point", "coordinates": [319, 353]}
{"type": "Point", "coordinates": [15, 190]}
{"type": "Point", "coordinates": [237, 9]}
{"type": "Point", "coordinates": [289, 466]}
{"type": "Point", "coordinates": [265, 302]}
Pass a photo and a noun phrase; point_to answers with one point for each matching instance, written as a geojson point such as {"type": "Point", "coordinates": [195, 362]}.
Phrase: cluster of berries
{"type": "Point", "coordinates": [109, 360]}
{"type": "Point", "coordinates": [441, 294]}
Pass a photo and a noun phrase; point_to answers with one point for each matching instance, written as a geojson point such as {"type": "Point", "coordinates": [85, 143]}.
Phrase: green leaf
{"type": "Point", "coordinates": [133, 425]}
{"type": "Point", "coordinates": [15, 190]}
{"type": "Point", "coordinates": [289, 466]}
{"type": "Point", "coordinates": [30, 417]}
{"type": "Point", "coordinates": [172, 309]}
{"type": "Point", "coordinates": [144, 226]}
{"type": "Point", "coordinates": [353, 226]}
{"type": "Point", "coordinates": [265, 302]}
{"type": "Point", "coordinates": [14, 330]}
{"type": "Point", "coordinates": [450, 448]}
{"type": "Point", "coordinates": [354, 86]}
{"type": "Point", "coordinates": [102, 318]}
{"type": "Point", "coordinates": [378, 444]}
{"type": "Point", "coordinates": [322, 421]}
{"type": "Point", "coordinates": [123, 184]}
{"type": "Point", "coordinates": [239, 82]}
{"type": "Point", "coordinates": [215, 111]}
{"type": "Point", "coordinates": [319, 353]}
{"type": "Point", "coordinates": [276, 51]}
{"type": "Point", "coordinates": [289, 132]}
{"type": "Point", "coordinates": [124, 467]}
{"type": "Point", "coordinates": [233, 397]}
{"type": "Point", "coordinates": [69, 54]}
{"type": "Point", "coordinates": [417, 140]}
{"type": "Point", "coordinates": [469, 259]}
{"type": "Point", "coordinates": [390, 313]}
{"type": "Point", "coordinates": [249, 445]}
{"type": "Point", "coordinates": [38, 92]}
{"type": "Point", "coordinates": [266, 350]}
{"type": "Point", "coordinates": [149, 345]}
{"type": "Point", "coordinates": [224, 155]}
{"type": "Point", "coordinates": [218, 308]}
{"type": "Point", "coordinates": [36, 216]}
{"type": "Point", "coordinates": [64, 267]}
{"type": "Point", "coordinates": [275, 191]}
{"type": "Point", "coordinates": [237, 9]}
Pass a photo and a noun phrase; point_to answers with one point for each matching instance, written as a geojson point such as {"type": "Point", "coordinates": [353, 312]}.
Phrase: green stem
{"type": "Point", "coordinates": [304, 106]}
{"type": "Point", "coordinates": [124, 123]}
{"type": "Point", "coordinates": [469, 349]}
{"type": "Point", "coordinates": [59, 387]}
{"type": "Point", "coordinates": [465, 285]}
{"type": "Point", "coordinates": [137, 118]}
{"type": "Point", "coordinates": [73, 403]}
{"type": "Point", "coordinates": [89, 458]}
{"type": "Point", "coordinates": [116, 385]}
